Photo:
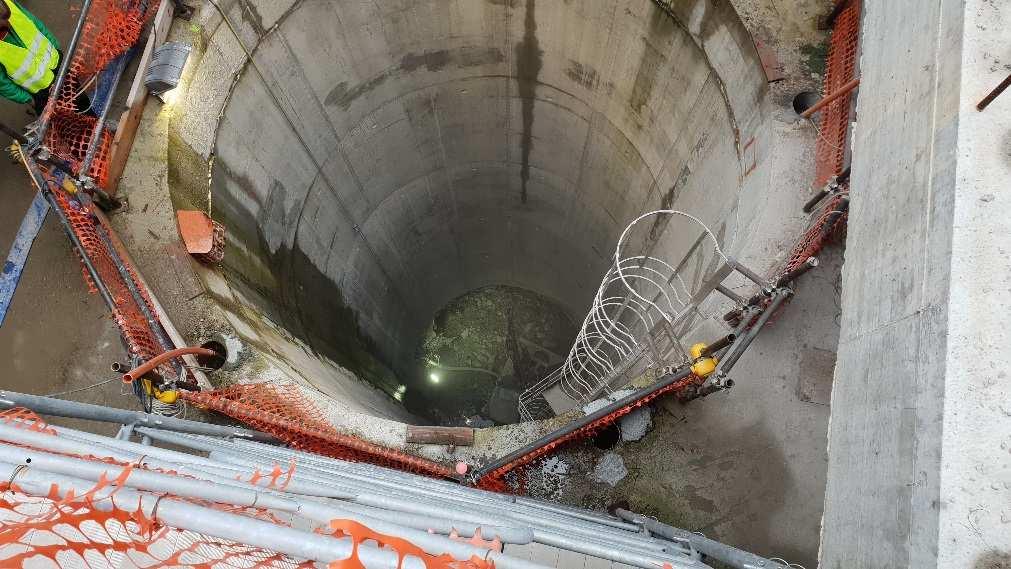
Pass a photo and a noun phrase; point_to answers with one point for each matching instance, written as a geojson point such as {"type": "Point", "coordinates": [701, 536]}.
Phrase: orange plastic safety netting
{"type": "Point", "coordinates": [111, 28]}
{"type": "Point", "coordinates": [285, 412]}
{"type": "Point", "coordinates": [100, 528]}
{"type": "Point", "coordinates": [511, 477]}
{"type": "Point", "coordinates": [98, 243]}
{"type": "Point", "coordinates": [833, 132]}
{"type": "Point", "coordinates": [840, 69]}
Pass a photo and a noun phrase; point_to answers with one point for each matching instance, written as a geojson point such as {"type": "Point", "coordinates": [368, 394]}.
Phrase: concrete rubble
{"type": "Point", "coordinates": [610, 469]}
{"type": "Point", "coordinates": [636, 424]}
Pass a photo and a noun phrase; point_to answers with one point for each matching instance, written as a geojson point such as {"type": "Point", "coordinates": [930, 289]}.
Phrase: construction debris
{"type": "Point", "coordinates": [635, 425]}
{"type": "Point", "coordinates": [610, 469]}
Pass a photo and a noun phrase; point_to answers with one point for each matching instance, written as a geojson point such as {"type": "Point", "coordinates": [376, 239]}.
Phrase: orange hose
{"type": "Point", "coordinates": [156, 361]}
{"type": "Point", "coordinates": [846, 88]}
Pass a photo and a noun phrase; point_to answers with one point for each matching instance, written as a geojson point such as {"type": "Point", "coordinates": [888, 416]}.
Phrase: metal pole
{"type": "Point", "coordinates": [718, 345]}
{"type": "Point", "coordinates": [61, 77]}
{"type": "Point", "coordinates": [985, 102]}
{"type": "Point", "coordinates": [17, 136]}
{"type": "Point", "coordinates": [832, 217]}
{"type": "Point", "coordinates": [138, 298]}
{"type": "Point", "coordinates": [728, 362]}
{"type": "Point", "coordinates": [43, 186]}
{"type": "Point", "coordinates": [371, 480]}
{"type": "Point", "coordinates": [377, 492]}
{"type": "Point", "coordinates": [96, 132]}
{"type": "Point", "coordinates": [593, 517]}
{"type": "Point", "coordinates": [595, 540]}
{"type": "Point", "coordinates": [842, 90]}
{"type": "Point", "coordinates": [752, 276]}
{"type": "Point", "coordinates": [804, 267]}
{"type": "Point", "coordinates": [76, 410]}
{"type": "Point", "coordinates": [245, 496]}
{"type": "Point", "coordinates": [206, 521]}
{"type": "Point", "coordinates": [817, 197]}
{"type": "Point", "coordinates": [548, 528]}
{"type": "Point", "coordinates": [60, 469]}
{"type": "Point", "coordinates": [732, 556]}
{"type": "Point", "coordinates": [729, 294]}
{"type": "Point", "coordinates": [216, 471]}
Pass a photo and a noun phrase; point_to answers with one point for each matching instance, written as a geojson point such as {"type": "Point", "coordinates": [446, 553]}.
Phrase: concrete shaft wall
{"type": "Point", "coordinates": [919, 468]}
{"type": "Point", "coordinates": [403, 153]}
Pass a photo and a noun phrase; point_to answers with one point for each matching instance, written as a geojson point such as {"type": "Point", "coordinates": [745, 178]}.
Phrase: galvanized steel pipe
{"type": "Point", "coordinates": [76, 410]}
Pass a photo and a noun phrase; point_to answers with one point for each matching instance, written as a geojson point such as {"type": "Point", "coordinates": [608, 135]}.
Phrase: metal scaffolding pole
{"type": "Point", "coordinates": [206, 521]}
{"type": "Point", "coordinates": [236, 489]}
{"type": "Point", "coordinates": [732, 556]}
{"type": "Point", "coordinates": [375, 488]}
{"type": "Point", "coordinates": [76, 410]}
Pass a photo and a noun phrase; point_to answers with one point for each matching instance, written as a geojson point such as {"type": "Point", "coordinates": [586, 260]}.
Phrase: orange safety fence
{"type": "Point", "coordinates": [126, 312]}
{"type": "Point", "coordinates": [511, 477]}
{"type": "Point", "coordinates": [286, 413]}
{"type": "Point", "coordinates": [840, 69]}
{"type": "Point", "coordinates": [833, 132]}
{"type": "Point", "coordinates": [110, 29]}
{"type": "Point", "coordinates": [88, 530]}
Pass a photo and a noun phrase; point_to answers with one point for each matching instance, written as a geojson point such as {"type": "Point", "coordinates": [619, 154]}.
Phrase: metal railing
{"type": "Point", "coordinates": [217, 486]}
{"type": "Point", "coordinates": [639, 318]}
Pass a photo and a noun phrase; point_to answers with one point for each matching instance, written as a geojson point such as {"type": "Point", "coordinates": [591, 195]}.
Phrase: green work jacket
{"type": "Point", "coordinates": [8, 88]}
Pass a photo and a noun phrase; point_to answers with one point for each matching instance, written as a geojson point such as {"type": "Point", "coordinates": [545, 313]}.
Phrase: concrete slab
{"type": "Point", "coordinates": [920, 400]}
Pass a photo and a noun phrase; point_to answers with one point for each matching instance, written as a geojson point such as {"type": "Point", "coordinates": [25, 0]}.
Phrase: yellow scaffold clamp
{"type": "Point", "coordinates": [169, 396]}
{"type": "Point", "coordinates": [702, 364]}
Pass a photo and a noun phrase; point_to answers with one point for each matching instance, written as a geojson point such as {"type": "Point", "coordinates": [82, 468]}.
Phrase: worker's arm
{"type": "Point", "coordinates": [40, 26]}
{"type": "Point", "coordinates": [13, 91]}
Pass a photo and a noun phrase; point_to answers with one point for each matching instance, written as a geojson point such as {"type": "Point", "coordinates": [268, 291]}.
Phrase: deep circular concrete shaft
{"type": "Point", "coordinates": [374, 160]}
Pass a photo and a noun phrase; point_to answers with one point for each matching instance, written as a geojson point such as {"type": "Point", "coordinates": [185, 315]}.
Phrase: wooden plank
{"type": "Point", "coordinates": [457, 436]}
{"type": "Point", "coordinates": [129, 121]}
{"type": "Point", "coordinates": [31, 224]}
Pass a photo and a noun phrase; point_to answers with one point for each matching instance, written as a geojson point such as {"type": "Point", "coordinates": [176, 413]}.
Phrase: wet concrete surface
{"type": "Point", "coordinates": [57, 336]}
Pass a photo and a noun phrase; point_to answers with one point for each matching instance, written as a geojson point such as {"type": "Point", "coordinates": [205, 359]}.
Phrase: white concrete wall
{"type": "Point", "coordinates": [920, 432]}
{"type": "Point", "coordinates": [413, 128]}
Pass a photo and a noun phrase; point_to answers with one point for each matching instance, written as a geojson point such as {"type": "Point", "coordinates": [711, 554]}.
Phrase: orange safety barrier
{"type": "Point", "coordinates": [833, 133]}
{"type": "Point", "coordinates": [70, 531]}
{"type": "Point", "coordinates": [498, 479]}
{"type": "Point", "coordinates": [127, 312]}
{"type": "Point", "coordinates": [111, 28]}
{"type": "Point", "coordinates": [830, 149]}
{"type": "Point", "coordinates": [284, 411]}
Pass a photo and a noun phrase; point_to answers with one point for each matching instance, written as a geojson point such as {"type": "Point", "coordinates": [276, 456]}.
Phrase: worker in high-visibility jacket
{"type": "Point", "coordinates": [29, 56]}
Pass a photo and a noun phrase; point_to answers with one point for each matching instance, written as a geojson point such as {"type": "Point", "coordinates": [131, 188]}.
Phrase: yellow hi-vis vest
{"type": "Point", "coordinates": [32, 66]}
